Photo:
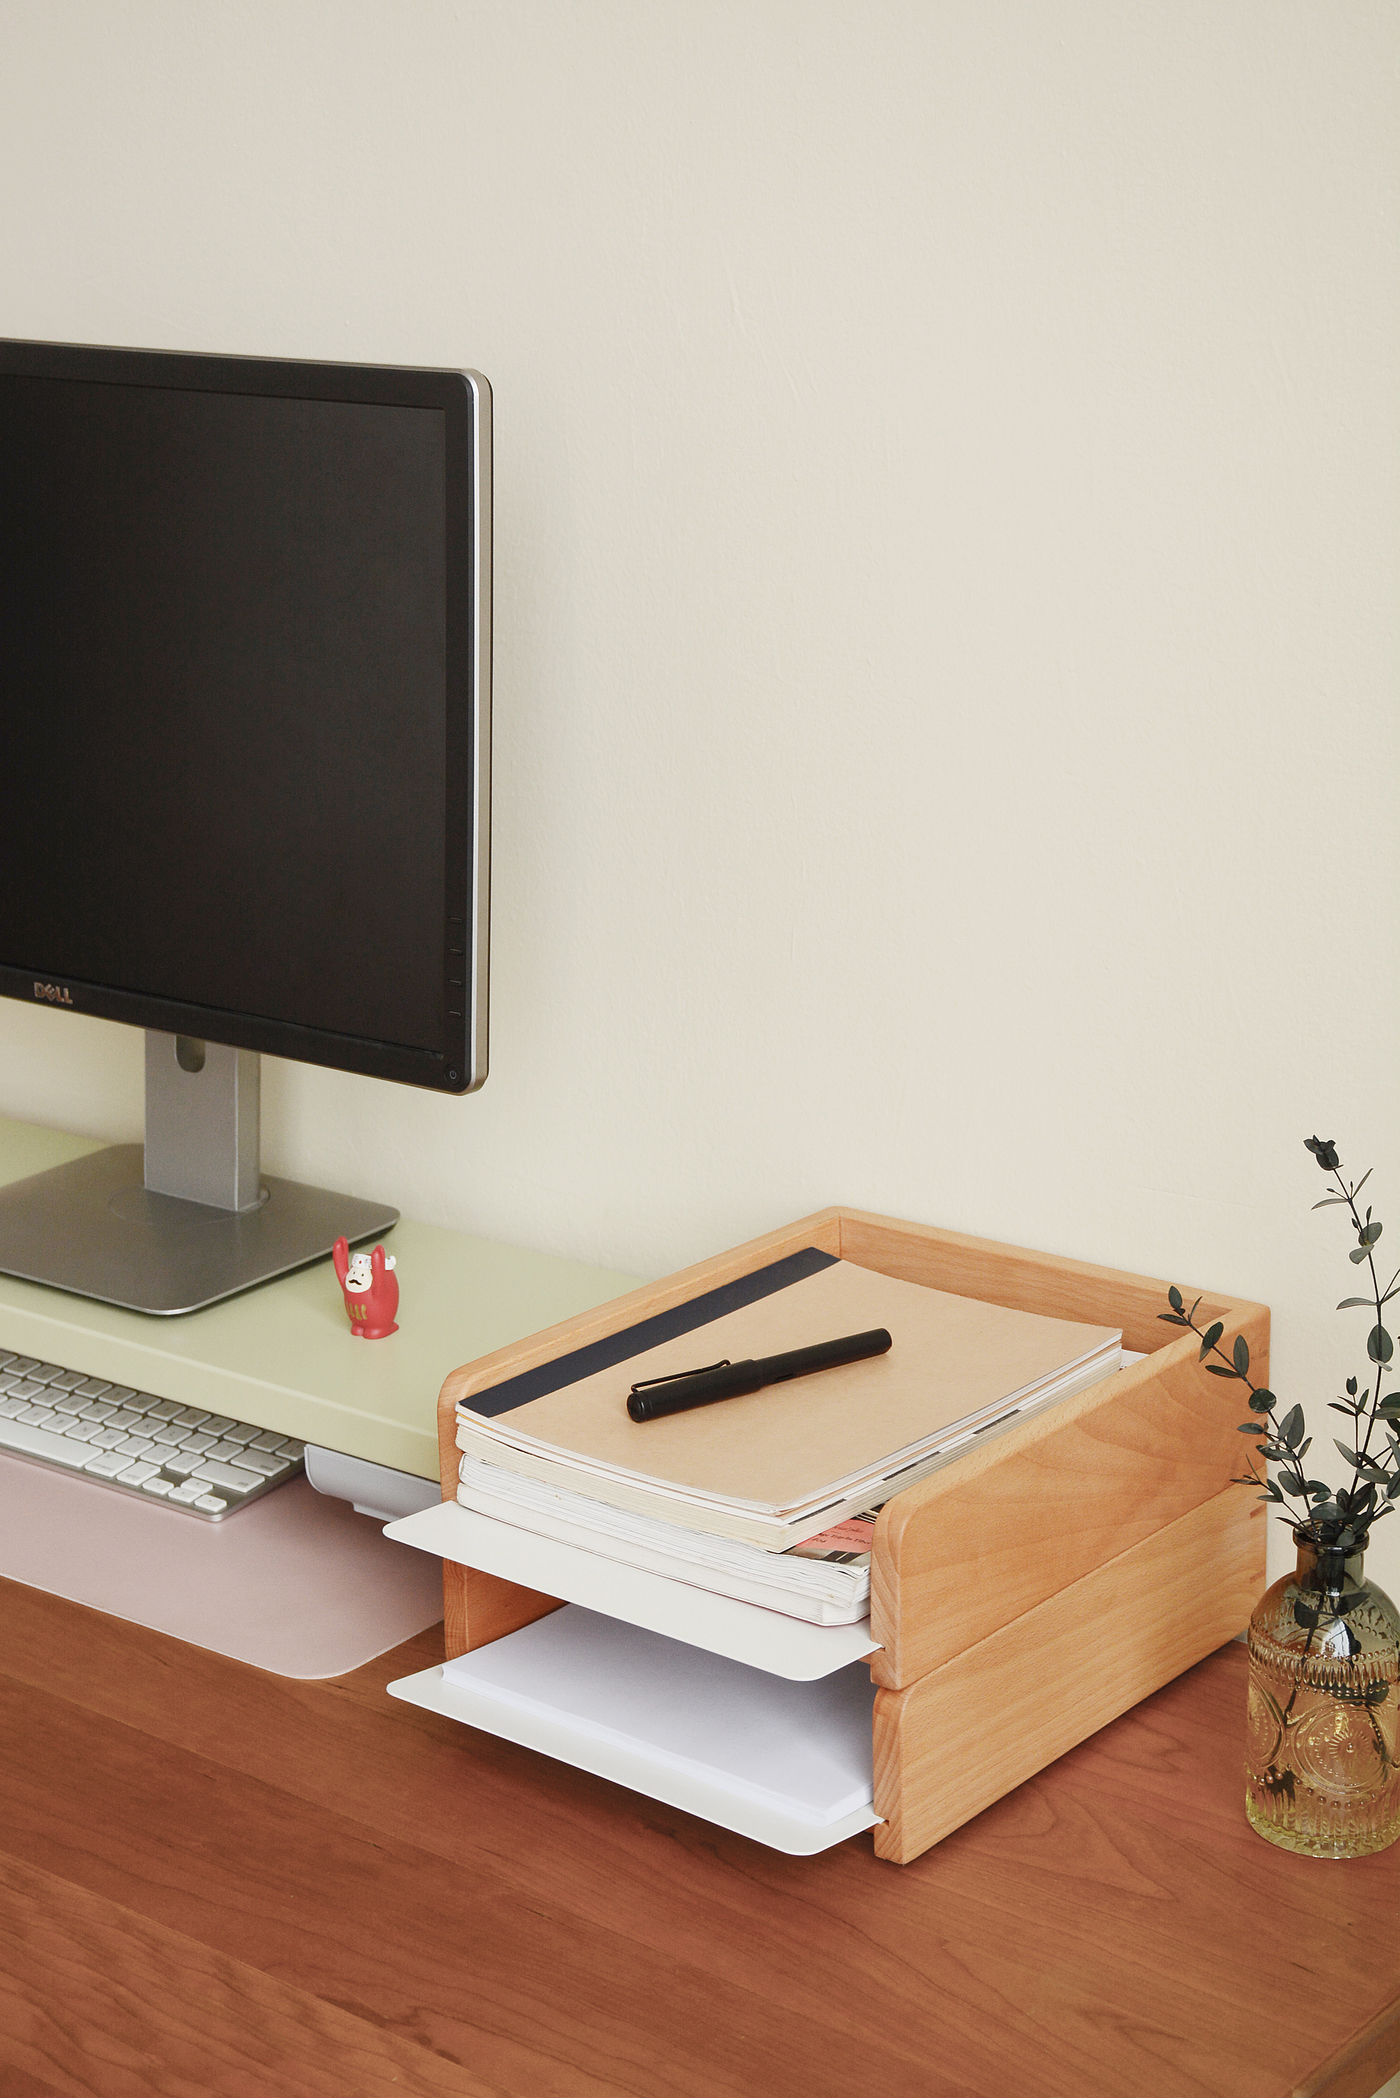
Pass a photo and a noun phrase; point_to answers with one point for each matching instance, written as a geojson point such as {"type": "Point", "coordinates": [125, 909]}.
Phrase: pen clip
{"type": "Point", "coordinates": [677, 1376]}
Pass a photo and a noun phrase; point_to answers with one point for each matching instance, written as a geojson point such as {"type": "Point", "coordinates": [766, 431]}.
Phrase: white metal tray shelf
{"type": "Point", "coordinates": [766, 1639]}
{"type": "Point", "coordinates": [788, 1764]}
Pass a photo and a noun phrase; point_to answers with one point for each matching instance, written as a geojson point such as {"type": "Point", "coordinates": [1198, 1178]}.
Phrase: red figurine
{"type": "Point", "coordinates": [370, 1288]}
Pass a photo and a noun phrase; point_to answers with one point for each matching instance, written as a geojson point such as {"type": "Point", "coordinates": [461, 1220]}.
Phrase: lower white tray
{"type": "Point", "coordinates": [787, 1764]}
{"type": "Point", "coordinates": [785, 1646]}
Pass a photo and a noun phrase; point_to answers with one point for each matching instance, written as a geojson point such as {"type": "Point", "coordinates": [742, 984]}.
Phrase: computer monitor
{"type": "Point", "coordinates": [245, 681]}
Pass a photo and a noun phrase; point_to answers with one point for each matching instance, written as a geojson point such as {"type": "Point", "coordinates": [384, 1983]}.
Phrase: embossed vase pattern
{"type": "Point", "coordinates": [1324, 1676]}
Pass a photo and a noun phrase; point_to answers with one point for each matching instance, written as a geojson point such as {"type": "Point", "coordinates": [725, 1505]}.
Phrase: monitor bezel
{"type": "Point", "coordinates": [465, 398]}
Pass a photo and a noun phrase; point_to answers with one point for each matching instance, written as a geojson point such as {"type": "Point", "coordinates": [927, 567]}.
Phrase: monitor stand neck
{"type": "Point", "coordinates": [202, 1122]}
{"type": "Point", "coordinates": [193, 1221]}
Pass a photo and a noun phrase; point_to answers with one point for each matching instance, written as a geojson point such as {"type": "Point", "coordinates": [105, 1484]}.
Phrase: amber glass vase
{"type": "Point", "coordinates": [1324, 1676]}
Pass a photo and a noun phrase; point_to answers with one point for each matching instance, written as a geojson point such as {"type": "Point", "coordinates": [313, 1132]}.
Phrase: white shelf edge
{"type": "Point", "coordinates": [761, 1824]}
{"type": "Point", "coordinates": [766, 1639]}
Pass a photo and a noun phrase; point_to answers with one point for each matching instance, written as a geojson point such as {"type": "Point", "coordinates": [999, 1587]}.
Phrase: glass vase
{"type": "Point", "coordinates": [1324, 1676]}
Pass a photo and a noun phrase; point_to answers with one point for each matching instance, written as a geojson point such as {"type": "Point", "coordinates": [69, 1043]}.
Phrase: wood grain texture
{"type": "Point", "coordinates": [1017, 1275]}
{"type": "Point", "coordinates": [122, 1980]}
{"type": "Point", "coordinates": [1096, 1934]}
{"type": "Point", "coordinates": [1001, 1710]}
{"type": "Point", "coordinates": [1358, 2069]}
{"type": "Point", "coordinates": [478, 1607]}
{"type": "Point", "coordinates": [1010, 1524]}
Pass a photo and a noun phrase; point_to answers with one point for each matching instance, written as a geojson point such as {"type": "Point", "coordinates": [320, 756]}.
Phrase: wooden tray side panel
{"type": "Point", "coordinates": [1010, 1524]}
{"type": "Point", "coordinates": [478, 1607]}
{"type": "Point", "coordinates": [1016, 1276]}
{"type": "Point", "coordinates": [983, 1723]}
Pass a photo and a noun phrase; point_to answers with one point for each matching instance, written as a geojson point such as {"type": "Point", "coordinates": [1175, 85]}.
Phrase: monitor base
{"type": "Point", "coordinates": [94, 1228]}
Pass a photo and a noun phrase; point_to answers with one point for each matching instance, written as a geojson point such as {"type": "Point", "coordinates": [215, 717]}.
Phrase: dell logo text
{"type": "Point", "coordinates": [54, 992]}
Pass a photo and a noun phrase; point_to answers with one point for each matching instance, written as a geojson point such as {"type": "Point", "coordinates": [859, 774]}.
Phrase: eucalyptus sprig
{"type": "Point", "coordinates": [1339, 1519]}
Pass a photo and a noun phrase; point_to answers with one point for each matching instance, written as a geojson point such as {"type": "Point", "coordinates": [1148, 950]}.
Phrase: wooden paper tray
{"type": "Point", "coordinates": [1027, 1594]}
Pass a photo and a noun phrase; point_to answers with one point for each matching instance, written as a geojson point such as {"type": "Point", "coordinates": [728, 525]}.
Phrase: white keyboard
{"type": "Point", "coordinates": [204, 1463]}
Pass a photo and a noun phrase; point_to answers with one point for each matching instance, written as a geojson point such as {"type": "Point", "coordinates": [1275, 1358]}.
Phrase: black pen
{"type": "Point", "coordinates": [648, 1401]}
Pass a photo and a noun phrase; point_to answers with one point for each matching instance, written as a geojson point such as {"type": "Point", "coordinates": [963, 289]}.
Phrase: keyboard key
{"type": "Point", "coordinates": [177, 1464]}
{"type": "Point", "coordinates": [43, 1371]}
{"type": "Point", "coordinates": [168, 1433]}
{"type": "Point", "coordinates": [260, 1462]}
{"type": "Point", "coordinates": [134, 1445]}
{"type": "Point", "coordinates": [124, 1419]}
{"type": "Point", "coordinates": [293, 1449]}
{"type": "Point", "coordinates": [93, 1387]}
{"type": "Point", "coordinates": [211, 1504]}
{"type": "Point", "coordinates": [241, 1433]}
{"type": "Point", "coordinates": [42, 1442]}
{"type": "Point", "coordinates": [119, 1393]}
{"type": "Point", "coordinates": [189, 1491]}
{"type": "Point", "coordinates": [191, 1417]}
{"type": "Point", "coordinates": [266, 1442]}
{"type": "Point", "coordinates": [66, 1380]}
{"type": "Point", "coordinates": [21, 1365]}
{"type": "Point", "coordinates": [219, 1424]}
{"type": "Point", "coordinates": [106, 1439]}
{"type": "Point", "coordinates": [135, 1474]}
{"type": "Point", "coordinates": [227, 1479]}
{"type": "Point", "coordinates": [5, 1359]}
{"type": "Point", "coordinates": [162, 1410]}
{"type": "Point", "coordinates": [69, 1403]}
{"type": "Point", "coordinates": [96, 1409]}
{"type": "Point", "coordinates": [139, 1401]}
{"type": "Point", "coordinates": [10, 1407]}
{"type": "Point", "coordinates": [27, 1390]}
{"type": "Point", "coordinates": [157, 1486]}
{"type": "Point", "coordinates": [223, 1451]}
{"type": "Point", "coordinates": [197, 1445]}
{"type": "Point", "coordinates": [36, 1416]}
{"type": "Point", "coordinates": [77, 1431]}
{"type": "Point", "coordinates": [106, 1464]}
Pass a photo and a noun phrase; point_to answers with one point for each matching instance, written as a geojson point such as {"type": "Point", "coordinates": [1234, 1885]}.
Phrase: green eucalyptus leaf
{"type": "Point", "coordinates": [1328, 1201]}
{"type": "Point", "coordinates": [1290, 1428]}
{"type": "Point", "coordinates": [1250, 1428]}
{"type": "Point", "coordinates": [1216, 1369]}
{"type": "Point", "coordinates": [1379, 1345]}
{"type": "Point", "coordinates": [1358, 1253]}
{"type": "Point", "coordinates": [1170, 1318]}
{"type": "Point", "coordinates": [1371, 1232]}
{"type": "Point", "coordinates": [1347, 1304]}
{"type": "Point", "coordinates": [1350, 1455]}
{"type": "Point", "coordinates": [1261, 1401]}
{"type": "Point", "coordinates": [1240, 1355]}
{"type": "Point", "coordinates": [1174, 1297]}
{"type": "Point", "coordinates": [1211, 1336]}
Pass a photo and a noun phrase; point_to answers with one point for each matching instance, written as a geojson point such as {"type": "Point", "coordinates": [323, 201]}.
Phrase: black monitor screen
{"type": "Point", "coordinates": [224, 677]}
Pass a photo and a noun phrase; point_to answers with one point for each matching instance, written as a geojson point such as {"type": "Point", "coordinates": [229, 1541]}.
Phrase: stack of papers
{"type": "Point", "coordinates": [782, 1464]}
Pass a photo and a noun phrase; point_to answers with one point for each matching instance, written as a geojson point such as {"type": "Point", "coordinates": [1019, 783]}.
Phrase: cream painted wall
{"type": "Point", "coordinates": [947, 535]}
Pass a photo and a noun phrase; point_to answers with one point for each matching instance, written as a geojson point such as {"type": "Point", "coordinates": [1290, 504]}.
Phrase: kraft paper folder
{"type": "Point", "coordinates": [1031, 1591]}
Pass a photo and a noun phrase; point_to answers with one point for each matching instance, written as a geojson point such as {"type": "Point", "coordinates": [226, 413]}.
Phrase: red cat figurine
{"type": "Point", "coordinates": [370, 1288]}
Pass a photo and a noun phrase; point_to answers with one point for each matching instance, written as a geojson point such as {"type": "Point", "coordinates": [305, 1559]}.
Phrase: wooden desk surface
{"type": "Point", "coordinates": [214, 1881]}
